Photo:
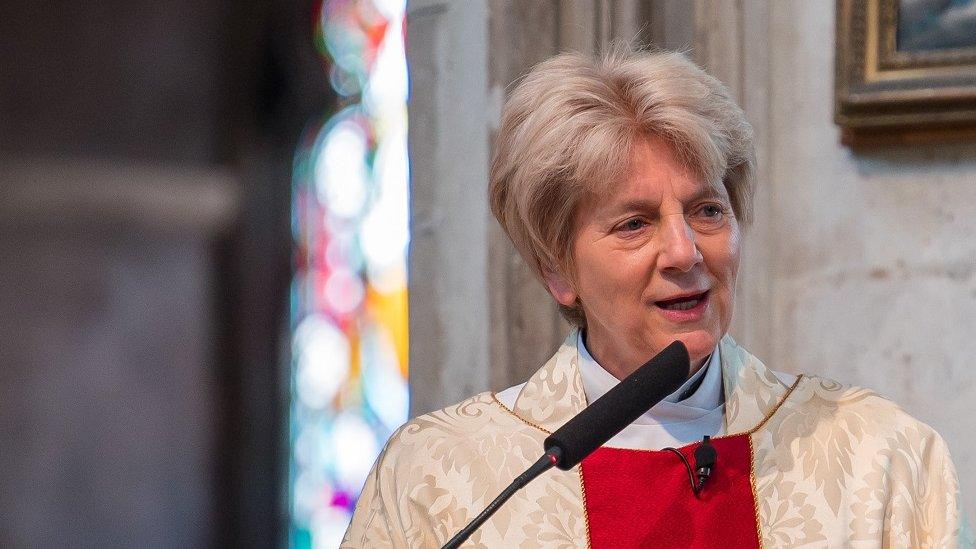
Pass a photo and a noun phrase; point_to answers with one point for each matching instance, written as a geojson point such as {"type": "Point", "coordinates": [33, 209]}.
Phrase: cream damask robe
{"type": "Point", "coordinates": [832, 467]}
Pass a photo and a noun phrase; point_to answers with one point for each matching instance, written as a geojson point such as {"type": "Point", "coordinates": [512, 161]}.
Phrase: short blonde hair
{"type": "Point", "coordinates": [570, 127]}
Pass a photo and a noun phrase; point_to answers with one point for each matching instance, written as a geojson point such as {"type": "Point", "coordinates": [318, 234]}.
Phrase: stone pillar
{"type": "Point", "coordinates": [525, 326]}
{"type": "Point", "coordinates": [448, 138]}
{"type": "Point", "coordinates": [479, 319]}
{"type": "Point", "coordinates": [111, 400]}
{"type": "Point", "coordinates": [721, 47]}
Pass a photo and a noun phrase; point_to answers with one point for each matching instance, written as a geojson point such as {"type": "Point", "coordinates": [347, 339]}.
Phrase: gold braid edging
{"type": "Point", "coordinates": [586, 515]}
{"type": "Point", "coordinates": [755, 495]}
{"type": "Point", "coordinates": [518, 417]}
{"type": "Point", "coordinates": [777, 407]}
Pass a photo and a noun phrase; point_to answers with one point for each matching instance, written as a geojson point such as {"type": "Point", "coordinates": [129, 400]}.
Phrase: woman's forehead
{"type": "Point", "coordinates": [656, 167]}
{"type": "Point", "coordinates": [657, 184]}
{"type": "Point", "coordinates": [656, 174]}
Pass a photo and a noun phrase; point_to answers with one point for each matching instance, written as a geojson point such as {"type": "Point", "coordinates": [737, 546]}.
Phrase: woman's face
{"type": "Point", "coordinates": [655, 262]}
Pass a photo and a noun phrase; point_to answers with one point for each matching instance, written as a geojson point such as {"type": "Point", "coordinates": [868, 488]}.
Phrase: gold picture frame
{"type": "Point", "coordinates": [888, 91]}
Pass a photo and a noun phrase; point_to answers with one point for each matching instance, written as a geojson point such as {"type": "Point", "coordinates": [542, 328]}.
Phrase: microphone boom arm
{"type": "Point", "coordinates": [544, 463]}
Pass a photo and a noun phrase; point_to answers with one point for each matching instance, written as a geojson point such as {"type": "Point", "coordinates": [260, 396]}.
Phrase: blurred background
{"type": "Point", "coordinates": [215, 240]}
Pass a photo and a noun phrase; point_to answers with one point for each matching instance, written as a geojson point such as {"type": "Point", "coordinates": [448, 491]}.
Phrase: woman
{"type": "Point", "coordinates": [625, 183]}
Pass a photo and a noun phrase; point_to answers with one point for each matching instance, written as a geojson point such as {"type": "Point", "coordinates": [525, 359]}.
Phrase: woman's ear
{"type": "Point", "coordinates": [561, 288]}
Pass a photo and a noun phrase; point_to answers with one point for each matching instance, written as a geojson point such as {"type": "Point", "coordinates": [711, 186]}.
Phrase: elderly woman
{"type": "Point", "coordinates": [625, 183]}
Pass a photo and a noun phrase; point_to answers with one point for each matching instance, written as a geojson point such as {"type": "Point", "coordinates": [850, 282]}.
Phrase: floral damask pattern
{"type": "Point", "coordinates": [751, 390]}
{"type": "Point", "coordinates": [789, 517]}
{"type": "Point", "coordinates": [869, 471]}
{"type": "Point", "coordinates": [832, 466]}
{"type": "Point", "coordinates": [445, 467]}
{"type": "Point", "coordinates": [555, 393]}
{"type": "Point", "coordinates": [869, 509]}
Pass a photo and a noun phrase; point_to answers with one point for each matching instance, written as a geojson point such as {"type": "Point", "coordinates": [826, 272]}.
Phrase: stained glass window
{"type": "Point", "coordinates": [349, 293]}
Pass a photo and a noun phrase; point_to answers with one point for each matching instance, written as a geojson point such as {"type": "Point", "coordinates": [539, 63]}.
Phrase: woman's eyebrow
{"type": "Point", "coordinates": [632, 205]}
{"type": "Point", "coordinates": [707, 192]}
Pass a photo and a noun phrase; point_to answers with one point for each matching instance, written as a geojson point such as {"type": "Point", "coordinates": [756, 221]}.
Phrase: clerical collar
{"type": "Point", "coordinates": [676, 407]}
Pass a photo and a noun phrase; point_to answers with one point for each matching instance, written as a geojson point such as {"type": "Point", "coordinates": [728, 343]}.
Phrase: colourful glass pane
{"type": "Point", "coordinates": [349, 292]}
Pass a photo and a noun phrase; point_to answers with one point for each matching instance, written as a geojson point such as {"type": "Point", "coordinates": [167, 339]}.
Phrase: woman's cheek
{"type": "Point", "coordinates": [732, 251]}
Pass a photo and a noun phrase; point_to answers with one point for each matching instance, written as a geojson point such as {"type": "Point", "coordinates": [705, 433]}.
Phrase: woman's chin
{"type": "Point", "coordinates": [700, 344]}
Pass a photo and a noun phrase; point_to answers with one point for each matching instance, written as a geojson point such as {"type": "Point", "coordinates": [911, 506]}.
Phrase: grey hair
{"type": "Point", "coordinates": [569, 130]}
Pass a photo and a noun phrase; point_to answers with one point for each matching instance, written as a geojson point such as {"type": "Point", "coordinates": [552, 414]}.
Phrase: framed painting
{"type": "Point", "coordinates": [905, 68]}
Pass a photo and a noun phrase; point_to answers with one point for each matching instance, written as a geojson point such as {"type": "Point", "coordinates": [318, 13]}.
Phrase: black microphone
{"type": "Point", "coordinates": [597, 423]}
{"type": "Point", "coordinates": [620, 406]}
{"type": "Point", "coordinates": [705, 457]}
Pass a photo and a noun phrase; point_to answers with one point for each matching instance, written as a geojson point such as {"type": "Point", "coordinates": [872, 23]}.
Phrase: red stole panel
{"type": "Point", "coordinates": [641, 498]}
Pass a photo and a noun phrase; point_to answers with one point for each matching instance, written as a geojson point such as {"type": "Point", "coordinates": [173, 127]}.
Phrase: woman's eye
{"type": "Point", "coordinates": [711, 211]}
{"type": "Point", "coordinates": [632, 225]}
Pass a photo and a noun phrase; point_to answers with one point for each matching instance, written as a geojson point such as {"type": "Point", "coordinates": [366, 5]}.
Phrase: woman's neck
{"type": "Point", "coordinates": [620, 360]}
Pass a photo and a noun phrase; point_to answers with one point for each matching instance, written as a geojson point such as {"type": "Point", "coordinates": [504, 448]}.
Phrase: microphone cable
{"type": "Point", "coordinates": [705, 457]}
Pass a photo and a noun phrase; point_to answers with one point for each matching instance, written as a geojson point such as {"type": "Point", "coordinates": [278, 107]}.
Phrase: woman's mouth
{"type": "Point", "coordinates": [684, 308]}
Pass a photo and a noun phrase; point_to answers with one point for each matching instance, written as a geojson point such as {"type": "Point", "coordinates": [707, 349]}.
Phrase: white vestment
{"type": "Point", "coordinates": [832, 466]}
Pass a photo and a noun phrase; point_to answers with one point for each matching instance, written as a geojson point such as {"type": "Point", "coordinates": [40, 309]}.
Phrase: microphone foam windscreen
{"type": "Point", "coordinates": [619, 407]}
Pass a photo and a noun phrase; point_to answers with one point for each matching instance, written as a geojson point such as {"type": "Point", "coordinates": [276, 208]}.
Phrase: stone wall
{"type": "Point", "coordinates": [862, 265]}
{"type": "Point", "coordinates": [859, 266]}
{"type": "Point", "coordinates": [109, 398]}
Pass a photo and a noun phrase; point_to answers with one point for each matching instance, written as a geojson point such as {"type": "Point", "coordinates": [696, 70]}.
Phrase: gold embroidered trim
{"type": "Point", "coordinates": [768, 416]}
{"type": "Point", "coordinates": [777, 407]}
{"type": "Point", "coordinates": [752, 484]}
{"type": "Point", "coordinates": [518, 417]}
{"type": "Point", "coordinates": [586, 516]}
{"type": "Point", "coordinates": [752, 458]}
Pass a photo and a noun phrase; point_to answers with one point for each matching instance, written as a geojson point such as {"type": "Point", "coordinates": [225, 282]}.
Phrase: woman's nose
{"type": "Point", "coordinates": [679, 250]}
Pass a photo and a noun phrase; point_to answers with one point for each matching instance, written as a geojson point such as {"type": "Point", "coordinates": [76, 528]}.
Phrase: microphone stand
{"type": "Point", "coordinates": [546, 462]}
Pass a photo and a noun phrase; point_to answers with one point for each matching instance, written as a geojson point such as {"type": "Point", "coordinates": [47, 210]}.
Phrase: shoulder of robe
{"type": "Point", "coordinates": [473, 427]}
{"type": "Point", "coordinates": [860, 412]}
